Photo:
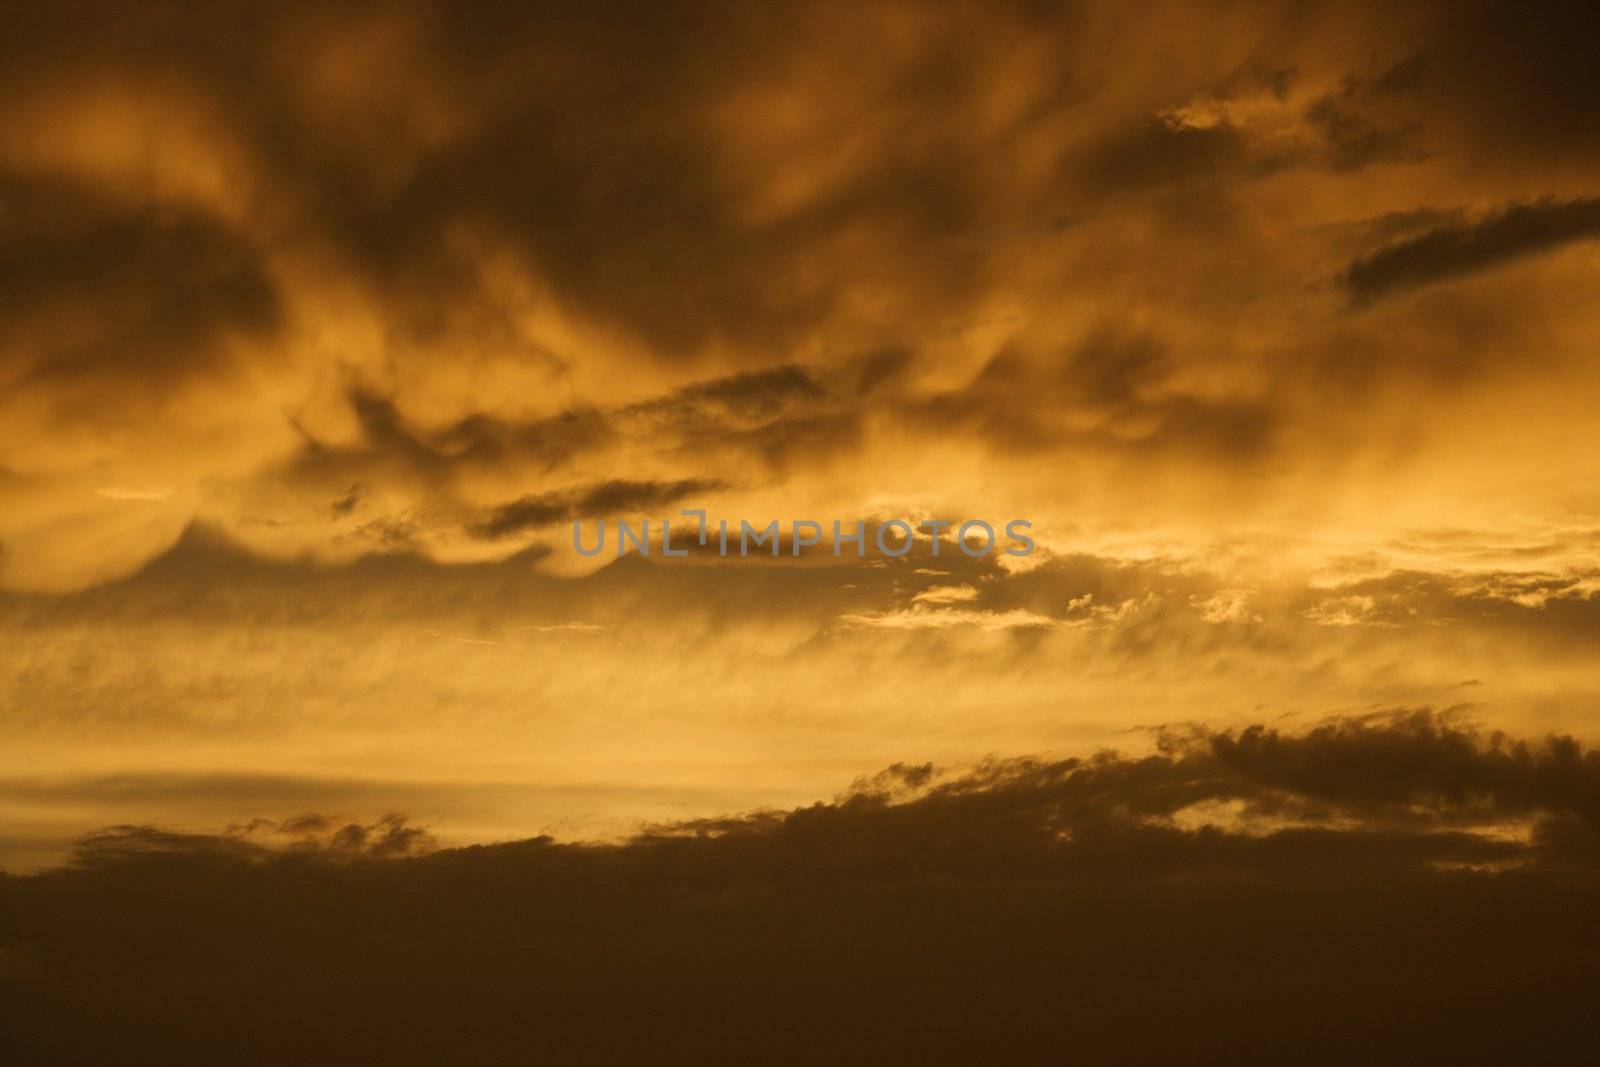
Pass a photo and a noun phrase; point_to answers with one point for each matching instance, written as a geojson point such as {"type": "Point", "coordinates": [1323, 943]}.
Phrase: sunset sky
{"type": "Point", "coordinates": [320, 323]}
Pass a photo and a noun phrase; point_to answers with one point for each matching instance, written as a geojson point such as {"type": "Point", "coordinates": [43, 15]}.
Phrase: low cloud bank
{"type": "Point", "coordinates": [1389, 887]}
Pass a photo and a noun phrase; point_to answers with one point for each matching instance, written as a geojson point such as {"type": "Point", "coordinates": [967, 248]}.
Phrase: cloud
{"type": "Point", "coordinates": [1360, 857]}
{"type": "Point", "coordinates": [613, 499]}
{"type": "Point", "coordinates": [1457, 250]}
{"type": "Point", "coordinates": [319, 321]}
{"type": "Point", "coordinates": [259, 841]}
{"type": "Point", "coordinates": [438, 260]}
{"type": "Point", "coordinates": [105, 296]}
{"type": "Point", "coordinates": [751, 397]}
{"type": "Point", "coordinates": [921, 617]}
{"type": "Point", "coordinates": [946, 594]}
{"type": "Point", "coordinates": [1113, 391]}
{"type": "Point", "coordinates": [1419, 788]}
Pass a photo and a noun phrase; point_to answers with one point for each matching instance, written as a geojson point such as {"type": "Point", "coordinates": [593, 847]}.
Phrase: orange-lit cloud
{"type": "Point", "coordinates": [319, 328]}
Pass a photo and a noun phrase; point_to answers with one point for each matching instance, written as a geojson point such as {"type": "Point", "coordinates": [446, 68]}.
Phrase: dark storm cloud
{"type": "Point", "coordinates": [780, 421]}
{"type": "Point", "coordinates": [1158, 153]}
{"type": "Point", "coordinates": [1404, 790]}
{"type": "Point", "coordinates": [98, 292]}
{"type": "Point", "coordinates": [783, 446]}
{"type": "Point", "coordinates": [389, 836]}
{"type": "Point", "coordinates": [599, 182]}
{"type": "Point", "coordinates": [1356, 141]}
{"type": "Point", "coordinates": [622, 193]}
{"type": "Point", "coordinates": [745, 190]}
{"type": "Point", "coordinates": [756, 395]}
{"type": "Point", "coordinates": [614, 189]}
{"type": "Point", "coordinates": [1394, 768]}
{"type": "Point", "coordinates": [768, 417]}
{"type": "Point", "coordinates": [394, 451]}
{"type": "Point", "coordinates": [627, 201]}
{"type": "Point", "coordinates": [1368, 120]}
{"type": "Point", "coordinates": [549, 442]}
{"type": "Point", "coordinates": [1120, 384]}
{"type": "Point", "coordinates": [610, 499]}
{"type": "Point", "coordinates": [1413, 782]}
{"type": "Point", "coordinates": [477, 440]}
{"type": "Point", "coordinates": [1457, 250]}
{"type": "Point", "coordinates": [1027, 906]}
{"type": "Point", "coordinates": [609, 187]}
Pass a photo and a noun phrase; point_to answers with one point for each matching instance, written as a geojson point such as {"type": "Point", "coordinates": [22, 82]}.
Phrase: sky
{"type": "Point", "coordinates": [320, 324]}
{"type": "Point", "coordinates": [1273, 324]}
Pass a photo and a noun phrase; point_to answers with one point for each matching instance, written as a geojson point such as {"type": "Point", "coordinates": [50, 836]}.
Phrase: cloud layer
{"type": "Point", "coordinates": [319, 324]}
{"type": "Point", "coordinates": [1266, 894]}
{"type": "Point", "coordinates": [345, 283]}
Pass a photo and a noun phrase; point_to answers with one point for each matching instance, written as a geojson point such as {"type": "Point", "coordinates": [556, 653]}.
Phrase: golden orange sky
{"type": "Point", "coordinates": [319, 324]}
